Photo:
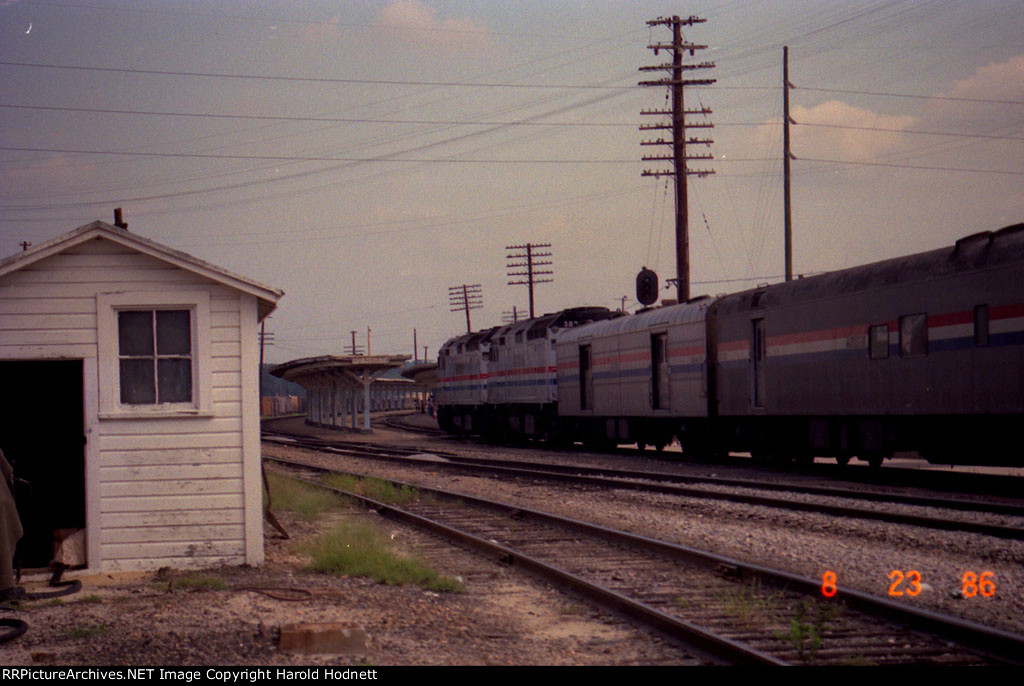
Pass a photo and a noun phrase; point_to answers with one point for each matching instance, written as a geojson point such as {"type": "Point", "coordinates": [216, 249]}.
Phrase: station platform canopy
{"type": "Point", "coordinates": [334, 381]}
{"type": "Point", "coordinates": [424, 373]}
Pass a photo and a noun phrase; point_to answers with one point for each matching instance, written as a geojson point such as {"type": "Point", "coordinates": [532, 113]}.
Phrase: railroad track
{"type": "Point", "coordinates": [737, 612]}
{"type": "Point", "coordinates": [889, 475]}
{"type": "Point", "coordinates": [668, 483]}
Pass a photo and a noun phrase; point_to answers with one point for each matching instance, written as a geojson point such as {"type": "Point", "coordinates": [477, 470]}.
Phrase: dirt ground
{"type": "Point", "coordinates": [501, 618]}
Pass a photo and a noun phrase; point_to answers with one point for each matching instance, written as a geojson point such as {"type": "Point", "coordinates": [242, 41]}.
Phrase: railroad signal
{"type": "Point", "coordinates": [647, 286]}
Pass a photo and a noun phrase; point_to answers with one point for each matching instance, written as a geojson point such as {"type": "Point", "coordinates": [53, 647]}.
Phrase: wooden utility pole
{"type": "Point", "coordinates": [678, 141]}
{"type": "Point", "coordinates": [354, 349]}
{"type": "Point", "coordinates": [534, 259]}
{"type": "Point", "coordinates": [466, 297]}
{"type": "Point", "coordinates": [786, 157]}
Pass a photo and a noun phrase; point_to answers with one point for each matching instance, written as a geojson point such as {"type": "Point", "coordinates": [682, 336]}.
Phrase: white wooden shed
{"type": "Point", "coordinates": [131, 400]}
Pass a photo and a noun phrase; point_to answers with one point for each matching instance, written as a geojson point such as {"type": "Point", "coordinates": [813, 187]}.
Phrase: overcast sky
{"type": "Point", "coordinates": [365, 157]}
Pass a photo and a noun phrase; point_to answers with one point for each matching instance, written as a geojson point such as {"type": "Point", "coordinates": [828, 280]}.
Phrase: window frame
{"type": "Point", "coordinates": [874, 352]}
{"type": "Point", "coordinates": [916, 344]}
{"type": "Point", "coordinates": [108, 305]}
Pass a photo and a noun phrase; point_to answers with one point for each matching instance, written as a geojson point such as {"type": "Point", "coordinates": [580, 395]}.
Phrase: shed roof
{"type": "Point", "coordinates": [267, 297]}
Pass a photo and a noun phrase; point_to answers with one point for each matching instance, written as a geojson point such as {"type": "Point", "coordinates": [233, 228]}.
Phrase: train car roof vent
{"type": "Point", "coordinates": [974, 239]}
{"type": "Point", "coordinates": [1008, 231]}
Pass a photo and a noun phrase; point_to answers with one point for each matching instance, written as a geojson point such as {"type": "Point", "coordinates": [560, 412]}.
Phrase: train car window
{"type": "Point", "coordinates": [878, 336]}
{"type": "Point", "coordinates": [981, 325]}
{"type": "Point", "coordinates": [913, 335]}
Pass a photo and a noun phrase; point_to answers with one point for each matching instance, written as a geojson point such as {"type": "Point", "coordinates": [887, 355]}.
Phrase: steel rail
{"type": "Point", "coordinates": [587, 476]}
{"type": "Point", "coordinates": [1004, 645]}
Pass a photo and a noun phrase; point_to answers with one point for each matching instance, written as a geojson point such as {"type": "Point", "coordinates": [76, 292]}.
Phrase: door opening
{"type": "Point", "coordinates": [42, 435]}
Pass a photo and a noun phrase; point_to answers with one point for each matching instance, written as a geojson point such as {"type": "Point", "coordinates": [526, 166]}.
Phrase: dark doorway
{"type": "Point", "coordinates": [758, 351]}
{"type": "Point", "coordinates": [659, 372]}
{"type": "Point", "coordinates": [42, 435]}
{"type": "Point", "coordinates": [586, 379]}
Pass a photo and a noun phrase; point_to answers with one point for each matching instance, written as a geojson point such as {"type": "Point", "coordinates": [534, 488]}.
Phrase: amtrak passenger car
{"type": "Point", "coordinates": [920, 353]}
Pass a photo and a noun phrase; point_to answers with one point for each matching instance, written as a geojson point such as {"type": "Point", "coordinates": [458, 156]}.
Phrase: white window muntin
{"type": "Point", "coordinates": [109, 305]}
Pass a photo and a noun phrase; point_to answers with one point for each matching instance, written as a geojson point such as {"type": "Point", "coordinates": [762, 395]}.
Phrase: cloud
{"type": "Point", "coordinates": [414, 22]}
{"type": "Point", "coordinates": [1001, 81]}
{"type": "Point", "coordinates": [816, 135]}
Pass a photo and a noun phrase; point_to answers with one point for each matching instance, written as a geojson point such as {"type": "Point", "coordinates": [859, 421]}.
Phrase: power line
{"type": "Point", "coordinates": [300, 158]}
{"type": "Point", "coordinates": [910, 131]}
{"type": "Point", "coordinates": [343, 120]}
{"type": "Point", "coordinates": [308, 79]}
{"type": "Point", "coordinates": [914, 95]}
{"type": "Point", "coordinates": [915, 166]}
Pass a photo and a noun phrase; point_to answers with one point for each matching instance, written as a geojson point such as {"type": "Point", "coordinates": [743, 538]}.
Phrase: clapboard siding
{"type": "Point", "coordinates": [157, 441]}
{"type": "Point", "coordinates": [155, 472]}
{"type": "Point", "coordinates": [128, 520]}
{"type": "Point", "coordinates": [169, 487]}
{"type": "Point", "coordinates": [216, 550]}
{"type": "Point", "coordinates": [166, 490]}
{"type": "Point", "coordinates": [167, 456]}
{"type": "Point", "coordinates": [170, 503]}
{"type": "Point", "coordinates": [176, 425]}
{"type": "Point", "coordinates": [161, 534]}
{"type": "Point", "coordinates": [46, 306]}
{"type": "Point", "coordinates": [43, 322]}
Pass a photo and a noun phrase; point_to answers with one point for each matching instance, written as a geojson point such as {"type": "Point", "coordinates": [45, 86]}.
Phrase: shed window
{"type": "Point", "coordinates": [155, 356]}
{"type": "Point", "coordinates": [878, 342]}
{"type": "Point", "coordinates": [913, 335]}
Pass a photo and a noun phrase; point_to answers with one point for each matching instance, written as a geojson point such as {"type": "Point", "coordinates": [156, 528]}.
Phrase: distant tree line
{"type": "Point", "coordinates": [275, 386]}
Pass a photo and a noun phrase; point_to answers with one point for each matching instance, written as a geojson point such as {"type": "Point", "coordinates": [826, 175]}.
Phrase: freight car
{"type": "Point", "coordinates": [919, 353]}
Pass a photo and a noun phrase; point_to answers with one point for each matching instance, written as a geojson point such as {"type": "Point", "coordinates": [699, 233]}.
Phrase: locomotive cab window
{"type": "Point", "coordinates": [878, 337]}
{"type": "Point", "coordinates": [914, 335]}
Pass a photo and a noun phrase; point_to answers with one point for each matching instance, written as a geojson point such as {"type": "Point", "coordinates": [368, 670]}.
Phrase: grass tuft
{"type": "Point", "coordinates": [360, 549]}
{"type": "Point", "coordinates": [751, 604]}
{"type": "Point", "coordinates": [301, 498]}
{"type": "Point", "coordinates": [373, 487]}
{"type": "Point", "coordinates": [88, 631]}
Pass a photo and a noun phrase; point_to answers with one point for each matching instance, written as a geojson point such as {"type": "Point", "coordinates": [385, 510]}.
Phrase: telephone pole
{"type": "Point", "coordinates": [510, 317]}
{"type": "Point", "coordinates": [678, 140]}
{"type": "Point", "coordinates": [354, 349]}
{"type": "Point", "coordinates": [534, 258]}
{"type": "Point", "coordinates": [786, 157]}
{"type": "Point", "coordinates": [466, 298]}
